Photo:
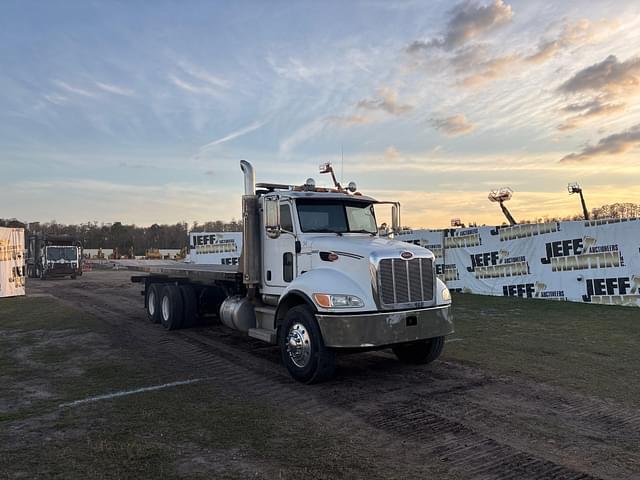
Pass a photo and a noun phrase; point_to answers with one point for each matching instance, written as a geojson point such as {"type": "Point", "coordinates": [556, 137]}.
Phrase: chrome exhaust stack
{"type": "Point", "coordinates": [249, 177]}
{"type": "Point", "coordinates": [251, 265]}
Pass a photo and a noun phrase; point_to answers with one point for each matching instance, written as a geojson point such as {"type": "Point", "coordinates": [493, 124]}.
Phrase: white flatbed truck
{"type": "Point", "coordinates": [315, 278]}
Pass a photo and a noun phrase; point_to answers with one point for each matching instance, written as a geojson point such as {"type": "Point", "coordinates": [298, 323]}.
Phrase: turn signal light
{"type": "Point", "coordinates": [323, 300]}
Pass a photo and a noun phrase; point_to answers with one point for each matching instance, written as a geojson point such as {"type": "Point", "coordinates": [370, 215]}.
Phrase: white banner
{"type": "Point", "coordinates": [12, 262]}
{"type": "Point", "coordinates": [583, 261]}
{"type": "Point", "coordinates": [215, 248]}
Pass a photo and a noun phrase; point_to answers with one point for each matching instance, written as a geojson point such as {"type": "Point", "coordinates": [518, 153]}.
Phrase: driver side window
{"type": "Point", "coordinates": [286, 222]}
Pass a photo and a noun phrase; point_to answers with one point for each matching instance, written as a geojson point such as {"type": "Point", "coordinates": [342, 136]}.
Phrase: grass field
{"type": "Point", "coordinates": [589, 348]}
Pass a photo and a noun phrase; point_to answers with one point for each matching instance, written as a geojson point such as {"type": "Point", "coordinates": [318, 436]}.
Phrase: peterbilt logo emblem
{"type": "Point", "coordinates": [406, 255]}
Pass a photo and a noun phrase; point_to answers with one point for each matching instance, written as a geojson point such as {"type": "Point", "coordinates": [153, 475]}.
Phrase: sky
{"type": "Point", "coordinates": [140, 111]}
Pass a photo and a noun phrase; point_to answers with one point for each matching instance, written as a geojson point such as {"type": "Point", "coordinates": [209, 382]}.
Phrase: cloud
{"type": "Point", "coordinates": [467, 21]}
{"type": "Point", "coordinates": [193, 88]}
{"type": "Point", "coordinates": [454, 125]}
{"type": "Point", "coordinates": [235, 134]}
{"type": "Point", "coordinates": [491, 69]}
{"type": "Point", "coordinates": [387, 101]}
{"type": "Point", "coordinates": [302, 134]}
{"type": "Point", "coordinates": [115, 89]}
{"type": "Point", "coordinates": [199, 81]}
{"type": "Point", "coordinates": [75, 90]}
{"type": "Point", "coordinates": [611, 81]}
{"type": "Point", "coordinates": [478, 65]}
{"type": "Point", "coordinates": [56, 98]}
{"type": "Point", "coordinates": [615, 144]}
{"type": "Point", "coordinates": [588, 110]}
{"type": "Point", "coordinates": [578, 33]}
{"type": "Point", "coordinates": [204, 76]}
{"type": "Point", "coordinates": [610, 76]}
{"type": "Point", "coordinates": [349, 120]}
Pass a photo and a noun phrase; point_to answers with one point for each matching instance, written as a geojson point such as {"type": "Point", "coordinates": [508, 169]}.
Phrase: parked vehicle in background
{"type": "Point", "coordinates": [53, 256]}
{"type": "Point", "coordinates": [315, 277]}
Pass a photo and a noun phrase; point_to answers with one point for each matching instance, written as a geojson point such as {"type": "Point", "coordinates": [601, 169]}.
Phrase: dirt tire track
{"type": "Point", "coordinates": [479, 425]}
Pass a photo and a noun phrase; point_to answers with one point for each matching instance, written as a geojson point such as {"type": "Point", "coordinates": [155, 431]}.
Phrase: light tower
{"type": "Point", "coordinates": [501, 196]}
{"type": "Point", "coordinates": [576, 188]}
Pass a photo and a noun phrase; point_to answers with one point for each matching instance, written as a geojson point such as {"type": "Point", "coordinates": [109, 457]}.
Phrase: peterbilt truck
{"type": "Point", "coordinates": [315, 278]}
{"type": "Point", "coordinates": [53, 256]}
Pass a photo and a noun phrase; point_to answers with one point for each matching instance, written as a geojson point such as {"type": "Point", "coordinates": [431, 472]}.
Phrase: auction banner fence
{"type": "Point", "coordinates": [12, 266]}
{"type": "Point", "coordinates": [583, 261]}
{"type": "Point", "coordinates": [215, 248]}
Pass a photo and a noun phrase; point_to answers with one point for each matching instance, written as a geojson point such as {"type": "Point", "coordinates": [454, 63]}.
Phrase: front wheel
{"type": "Point", "coordinates": [419, 353]}
{"type": "Point", "coordinates": [302, 348]}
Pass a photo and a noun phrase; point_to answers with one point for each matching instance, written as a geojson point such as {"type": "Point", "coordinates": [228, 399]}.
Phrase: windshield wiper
{"type": "Point", "coordinates": [323, 230]}
{"type": "Point", "coordinates": [363, 231]}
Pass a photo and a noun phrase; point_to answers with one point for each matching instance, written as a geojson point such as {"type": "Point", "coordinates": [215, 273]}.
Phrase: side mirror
{"type": "Point", "coordinates": [395, 218]}
{"type": "Point", "coordinates": [272, 216]}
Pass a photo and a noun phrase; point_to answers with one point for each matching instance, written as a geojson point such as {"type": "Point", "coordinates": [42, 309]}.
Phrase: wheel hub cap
{"type": "Point", "coordinates": [299, 345]}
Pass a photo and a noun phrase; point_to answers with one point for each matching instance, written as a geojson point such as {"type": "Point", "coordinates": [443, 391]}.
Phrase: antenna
{"type": "Point", "coordinates": [342, 164]}
{"type": "Point", "coordinates": [576, 188]}
{"type": "Point", "coordinates": [500, 196]}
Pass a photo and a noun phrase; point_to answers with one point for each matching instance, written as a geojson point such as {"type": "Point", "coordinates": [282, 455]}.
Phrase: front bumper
{"type": "Point", "coordinates": [384, 328]}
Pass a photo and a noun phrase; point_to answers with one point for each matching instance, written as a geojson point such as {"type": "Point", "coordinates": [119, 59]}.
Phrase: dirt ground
{"type": "Point", "coordinates": [475, 414]}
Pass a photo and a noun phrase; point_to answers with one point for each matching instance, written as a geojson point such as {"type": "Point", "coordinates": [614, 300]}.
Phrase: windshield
{"type": "Point", "coordinates": [62, 253]}
{"type": "Point", "coordinates": [336, 217]}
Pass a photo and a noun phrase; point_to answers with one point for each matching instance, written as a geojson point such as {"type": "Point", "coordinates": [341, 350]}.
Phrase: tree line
{"type": "Point", "coordinates": [129, 238]}
{"type": "Point", "coordinates": [126, 238]}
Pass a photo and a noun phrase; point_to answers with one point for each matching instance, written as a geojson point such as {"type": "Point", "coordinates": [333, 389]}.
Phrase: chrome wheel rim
{"type": "Point", "coordinates": [165, 308]}
{"type": "Point", "coordinates": [151, 303]}
{"type": "Point", "coordinates": [299, 345]}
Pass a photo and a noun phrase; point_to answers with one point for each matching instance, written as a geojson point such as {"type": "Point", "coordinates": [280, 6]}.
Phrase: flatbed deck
{"type": "Point", "coordinates": [194, 272]}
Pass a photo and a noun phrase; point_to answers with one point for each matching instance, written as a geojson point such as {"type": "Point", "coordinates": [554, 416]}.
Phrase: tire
{"type": "Point", "coordinates": [153, 302]}
{"type": "Point", "coordinates": [190, 302]}
{"type": "Point", "coordinates": [311, 361]}
{"type": "Point", "coordinates": [171, 307]}
{"type": "Point", "coordinates": [419, 353]}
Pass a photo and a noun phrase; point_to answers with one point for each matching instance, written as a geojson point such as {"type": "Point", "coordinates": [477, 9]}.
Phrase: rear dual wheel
{"type": "Point", "coordinates": [153, 302]}
{"type": "Point", "coordinates": [174, 306]}
{"type": "Point", "coordinates": [171, 307]}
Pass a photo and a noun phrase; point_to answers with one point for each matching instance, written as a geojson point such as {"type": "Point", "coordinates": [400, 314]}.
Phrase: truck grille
{"type": "Point", "coordinates": [405, 281]}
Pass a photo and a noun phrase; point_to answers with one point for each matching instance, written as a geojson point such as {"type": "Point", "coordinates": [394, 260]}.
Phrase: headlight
{"type": "Point", "coordinates": [326, 300]}
{"type": "Point", "coordinates": [446, 295]}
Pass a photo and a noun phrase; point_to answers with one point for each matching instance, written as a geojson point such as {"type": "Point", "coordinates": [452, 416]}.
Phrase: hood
{"type": "Point", "coordinates": [363, 246]}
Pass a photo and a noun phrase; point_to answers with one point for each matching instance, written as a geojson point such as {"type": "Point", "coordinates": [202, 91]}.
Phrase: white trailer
{"type": "Point", "coordinates": [315, 278]}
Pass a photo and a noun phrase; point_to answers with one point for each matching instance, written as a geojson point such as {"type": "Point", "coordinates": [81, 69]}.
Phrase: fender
{"type": "Point", "coordinates": [327, 280]}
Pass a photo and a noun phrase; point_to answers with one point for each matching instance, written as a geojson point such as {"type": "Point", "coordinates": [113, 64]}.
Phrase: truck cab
{"type": "Point", "coordinates": [53, 256]}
